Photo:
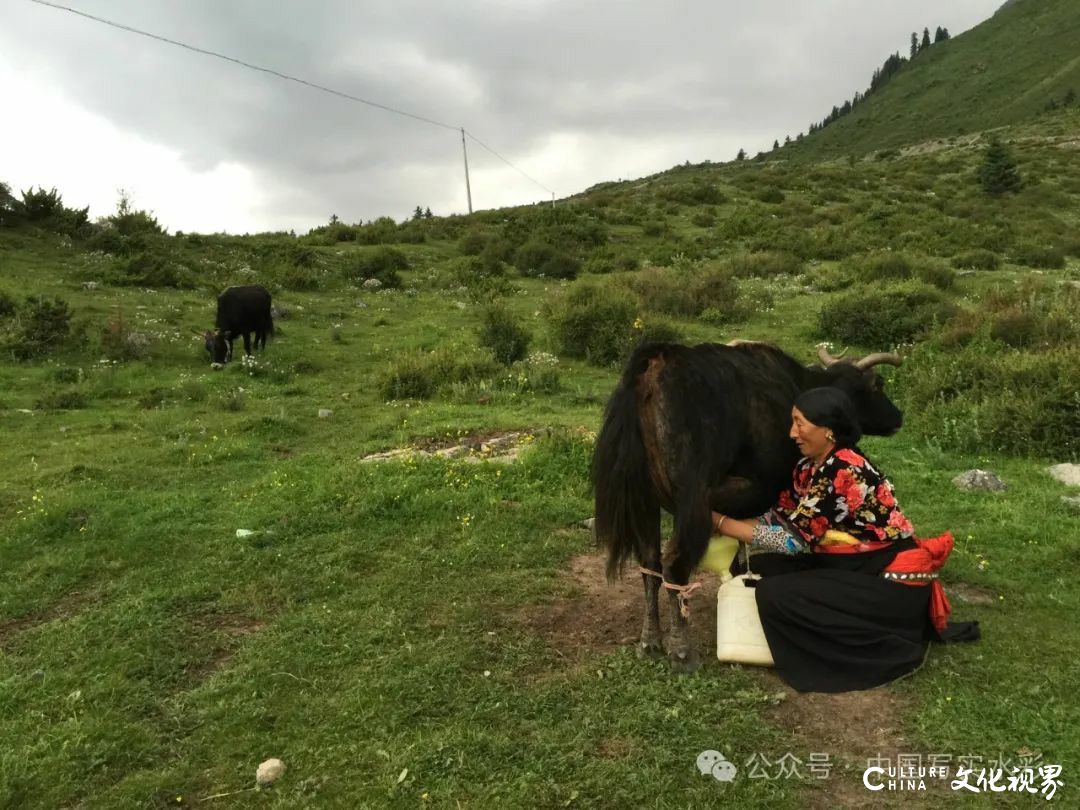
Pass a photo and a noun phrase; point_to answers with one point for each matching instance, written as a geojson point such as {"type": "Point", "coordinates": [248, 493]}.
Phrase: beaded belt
{"type": "Point", "coordinates": [912, 575]}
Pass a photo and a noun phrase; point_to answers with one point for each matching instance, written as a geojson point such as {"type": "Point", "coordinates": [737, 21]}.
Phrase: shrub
{"type": "Point", "coordinates": [420, 375]}
{"type": "Point", "coordinates": [937, 274]}
{"type": "Point", "coordinates": [980, 398]}
{"type": "Point", "coordinates": [383, 264]}
{"type": "Point", "coordinates": [771, 195]}
{"type": "Point", "coordinates": [7, 305]}
{"type": "Point", "coordinates": [531, 257]}
{"type": "Point", "coordinates": [472, 242]}
{"type": "Point", "coordinates": [998, 173]}
{"type": "Point", "coordinates": [120, 342]}
{"type": "Point", "coordinates": [503, 335]}
{"type": "Point", "coordinates": [41, 325]}
{"type": "Point", "coordinates": [561, 266]}
{"type": "Point", "coordinates": [66, 399]}
{"type": "Point", "coordinates": [704, 219]}
{"type": "Point", "coordinates": [1049, 257]}
{"type": "Point", "coordinates": [698, 192]}
{"type": "Point", "coordinates": [608, 260]}
{"type": "Point", "coordinates": [765, 264]}
{"type": "Point", "coordinates": [883, 316]}
{"type": "Point", "coordinates": [681, 292]}
{"type": "Point", "coordinates": [1037, 314]}
{"type": "Point", "coordinates": [658, 331]}
{"type": "Point", "coordinates": [150, 269]}
{"type": "Point", "coordinates": [594, 322]}
{"type": "Point", "coordinates": [654, 228]}
{"type": "Point", "coordinates": [977, 260]}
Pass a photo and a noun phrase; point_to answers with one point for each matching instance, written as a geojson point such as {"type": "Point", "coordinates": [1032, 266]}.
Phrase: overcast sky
{"type": "Point", "coordinates": [572, 92]}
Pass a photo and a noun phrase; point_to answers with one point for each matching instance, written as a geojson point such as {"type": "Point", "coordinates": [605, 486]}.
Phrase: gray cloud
{"type": "Point", "coordinates": [617, 80]}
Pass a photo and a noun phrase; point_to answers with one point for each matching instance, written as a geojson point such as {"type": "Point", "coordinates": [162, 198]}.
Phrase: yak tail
{"type": "Point", "coordinates": [627, 504]}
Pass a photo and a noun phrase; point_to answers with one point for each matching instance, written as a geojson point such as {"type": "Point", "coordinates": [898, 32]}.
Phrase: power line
{"type": "Point", "coordinates": [241, 62]}
{"type": "Point", "coordinates": [508, 163]}
{"type": "Point", "coordinates": [287, 77]}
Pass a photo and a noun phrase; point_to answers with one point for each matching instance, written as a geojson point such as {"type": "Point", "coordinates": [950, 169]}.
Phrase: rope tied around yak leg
{"type": "Point", "coordinates": [684, 591]}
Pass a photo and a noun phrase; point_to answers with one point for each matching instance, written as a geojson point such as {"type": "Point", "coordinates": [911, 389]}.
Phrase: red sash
{"type": "Point", "coordinates": [928, 557]}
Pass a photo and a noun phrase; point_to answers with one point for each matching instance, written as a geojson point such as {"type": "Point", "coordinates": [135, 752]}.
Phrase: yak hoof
{"type": "Point", "coordinates": [685, 663]}
{"type": "Point", "coordinates": [650, 649]}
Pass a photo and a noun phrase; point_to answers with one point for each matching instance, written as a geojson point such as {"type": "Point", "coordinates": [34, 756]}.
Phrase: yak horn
{"type": "Point", "coordinates": [877, 359]}
{"type": "Point", "coordinates": [827, 359]}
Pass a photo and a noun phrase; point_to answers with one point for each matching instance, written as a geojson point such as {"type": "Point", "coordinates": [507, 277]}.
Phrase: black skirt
{"type": "Point", "coordinates": [835, 625]}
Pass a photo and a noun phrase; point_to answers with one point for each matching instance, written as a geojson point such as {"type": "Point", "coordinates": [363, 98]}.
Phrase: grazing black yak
{"type": "Point", "coordinates": [240, 311]}
{"type": "Point", "coordinates": [703, 428]}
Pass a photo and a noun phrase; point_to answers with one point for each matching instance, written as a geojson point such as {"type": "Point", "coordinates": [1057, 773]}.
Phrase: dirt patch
{"type": "Point", "coordinates": [492, 445]}
{"type": "Point", "coordinates": [70, 604]}
{"type": "Point", "coordinates": [852, 728]}
{"type": "Point", "coordinates": [600, 617]}
{"type": "Point", "coordinates": [226, 631]}
{"type": "Point", "coordinates": [969, 594]}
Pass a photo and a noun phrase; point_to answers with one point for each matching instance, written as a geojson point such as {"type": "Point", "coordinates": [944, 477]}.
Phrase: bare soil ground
{"type": "Point", "coordinates": [851, 727]}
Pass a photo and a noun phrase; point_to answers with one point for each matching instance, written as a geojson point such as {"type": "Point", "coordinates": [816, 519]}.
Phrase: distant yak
{"type": "Point", "coordinates": [703, 428]}
{"type": "Point", "coordinates": [240, 311]}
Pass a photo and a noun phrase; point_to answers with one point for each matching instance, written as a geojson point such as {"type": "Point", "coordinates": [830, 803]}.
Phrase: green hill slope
{"type": "Point", "coordinates": [1004, 71]}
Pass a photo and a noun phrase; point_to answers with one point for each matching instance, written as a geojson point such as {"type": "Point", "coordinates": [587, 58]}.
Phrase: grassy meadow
{"type": "Point", "coordinates": [373, 631]}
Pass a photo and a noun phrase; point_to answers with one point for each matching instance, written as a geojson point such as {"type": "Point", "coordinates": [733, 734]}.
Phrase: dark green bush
{"type": "Point", "coordinates": [299, 279]}
{"type": "Point", "coordinates": [977, 260]}
{"type": "Point", "coordinates": [561, 266]}
{"type": "Point", "coordinates": [704, 219]}
{"type": "Point", "coordinates": [609, 260]}
{"type": "Point", "coordinates": [1042, 256]}
{"type": "Point", "coordinates": [683, 292]}
{"type": "Point", "coordinates": [655, 330]}
{"type": "Point", "coordinates": [383, 264]}
{"type": "Point", "coordinates": [502, 334]}
{"type": "Point", "coordinates": [65, 399]}
{"type": "Point", "coordinates": [883, 316]}
{"type": "Point", "coordinates": [980, 398]}
{"type": "Point", "coordinates": [155, 270]}
{"type": "Point", "coordinates": [7, 305]}
{"type": "Point", "coordinates": [594, 322]}
{"type": "Point", "coordinates": [765, 264]}
{"type": "Point", "coordinates": [937, 274]}
{"type": "Point", "coordinates": [1036, 315]}
{"type": "Point", "coordinates": [41, 325]}
{"type": "Point", "coordinates": [654, 228]}
{"type": "Point", "coordinates": [473, 241]}
{"type": "Point", "coordinates": [771, 195]}
{"type": "Point", "coordinates": [420, 375]}
{"type": "Point", "coordinates": [532, 256]}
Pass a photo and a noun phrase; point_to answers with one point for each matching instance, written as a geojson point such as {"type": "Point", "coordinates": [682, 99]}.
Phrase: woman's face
{"type": "Point", "coordinates": [812, 440]}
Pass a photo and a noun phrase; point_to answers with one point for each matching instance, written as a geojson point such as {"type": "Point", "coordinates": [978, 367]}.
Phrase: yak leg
{"type": "Point", "coordinates": [247, 343]}
{"type": "Point", "coordinates": [693, 526]}
{"type": "Point", "coordinates": [651, 644]}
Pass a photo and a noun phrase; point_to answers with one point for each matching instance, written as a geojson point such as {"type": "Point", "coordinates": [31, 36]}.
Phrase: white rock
{"type": "Point", "coordinates": [242, 533]}
{"type": "Point", "coordinates": [1068, 474]}
{"type": "Point", "coordinates": [269, 772]}
{"type": "Point", "coordinates": [325, 413]}
{"type": "Point", "coordinates": [980, 479]}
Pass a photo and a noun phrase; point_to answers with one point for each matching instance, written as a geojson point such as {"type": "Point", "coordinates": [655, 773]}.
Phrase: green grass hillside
{"type": "Point", "coordinates": [202, 569]}
{"type": "Point", "coordinates": [1006, 70]}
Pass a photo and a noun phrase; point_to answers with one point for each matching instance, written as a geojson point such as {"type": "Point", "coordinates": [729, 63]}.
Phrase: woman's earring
{"type": "Point", "coordinates": [830, 436]}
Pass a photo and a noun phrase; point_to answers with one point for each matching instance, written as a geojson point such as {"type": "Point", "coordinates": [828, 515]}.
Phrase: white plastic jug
{"type": "Point", "coordinates": [739, 637]}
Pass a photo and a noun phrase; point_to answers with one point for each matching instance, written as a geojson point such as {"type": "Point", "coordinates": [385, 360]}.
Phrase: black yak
{"type": "Point", "coordinates": [703, 428]}
{"type": "Point", "coordinates": [240, 311]}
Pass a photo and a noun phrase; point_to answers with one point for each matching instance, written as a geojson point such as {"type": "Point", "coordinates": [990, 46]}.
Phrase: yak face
{"type": "Point", "coordinates": [878, 416]}
{"type": "Point", "coordinates": [217, 346]}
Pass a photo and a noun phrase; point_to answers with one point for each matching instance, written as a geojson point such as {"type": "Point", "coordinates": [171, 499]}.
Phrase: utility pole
{"type": "Point", "coordinates": [465, 152]}
{"type": "Point", "coordinates": [553, 199]}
